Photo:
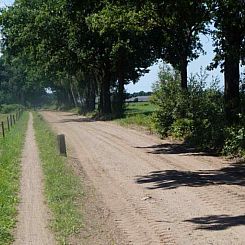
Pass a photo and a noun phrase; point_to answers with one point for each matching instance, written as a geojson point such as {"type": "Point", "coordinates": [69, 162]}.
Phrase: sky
{"type": "Point", "coordinates": [6, 2]}
{"type": "Point", "coordinates": [146, 81]}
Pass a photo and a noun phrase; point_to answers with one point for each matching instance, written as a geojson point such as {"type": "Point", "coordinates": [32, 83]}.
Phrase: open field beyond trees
{"type": "Point", "coordinates": [138, 114]}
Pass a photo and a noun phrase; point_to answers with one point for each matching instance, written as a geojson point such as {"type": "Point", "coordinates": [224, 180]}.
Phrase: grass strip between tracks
{"type": "Point", "coordinates": [63, 189]}
{"type": "Point", "coordinates": [10, 159]}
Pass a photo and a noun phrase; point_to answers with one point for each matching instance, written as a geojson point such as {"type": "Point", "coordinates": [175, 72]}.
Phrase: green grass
{"type": "Point", "coordinates": [10, 157]}
{"type": "Point", "coordinates": [138, 114]}
{"type": "Point", "coordinates": [140, 108]}
{"type": "Point", "coordinates": [63, 189]}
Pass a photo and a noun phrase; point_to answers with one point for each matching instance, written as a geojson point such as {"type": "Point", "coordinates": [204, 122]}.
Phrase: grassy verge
{"type": "Point", "coordinates": [138, 114]}
{"type": "Point", "coordinates": [63, 189]}
{"type": "Point", "coordinates": [10, 157]}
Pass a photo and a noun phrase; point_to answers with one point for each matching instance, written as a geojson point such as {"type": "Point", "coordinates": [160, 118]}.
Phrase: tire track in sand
{"type": "Point", "coordinates": [32, 226]}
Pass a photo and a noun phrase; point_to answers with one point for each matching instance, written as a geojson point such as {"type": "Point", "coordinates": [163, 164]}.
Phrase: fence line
{"type": "Point", "coordinates": [10, 122]}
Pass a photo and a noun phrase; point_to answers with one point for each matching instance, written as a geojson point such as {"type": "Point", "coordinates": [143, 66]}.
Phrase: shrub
{"type": "Point", "coordinates": [4, 108]}
{"type": "Point", "coordinates": [196, 115]}
{"type": "Point", "coordinates": [235, 140]}
{"type": "Point", "coordinates": [182, 128]}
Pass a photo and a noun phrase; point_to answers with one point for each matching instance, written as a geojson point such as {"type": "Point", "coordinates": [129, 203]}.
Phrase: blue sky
{"type": "Point", "coordinates": [145, 82]}
{"type": "Point", "coordinates": [6, 2]}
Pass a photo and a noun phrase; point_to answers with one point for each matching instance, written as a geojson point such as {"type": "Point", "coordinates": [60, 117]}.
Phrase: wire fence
{"type": "Point", "coordinates": [10, 121]}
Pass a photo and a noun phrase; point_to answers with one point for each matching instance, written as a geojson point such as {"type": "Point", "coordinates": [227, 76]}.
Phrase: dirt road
{"type": "Point", "coordinates": [32, 226]}
{"type": "Point", "coordinates": [158, 193]}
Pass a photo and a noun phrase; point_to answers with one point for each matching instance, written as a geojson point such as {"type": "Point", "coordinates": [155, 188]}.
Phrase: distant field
{"type": "Point", "coordinates": [138, 114]}
{"type": "Point", "coordinates": [140, 108]}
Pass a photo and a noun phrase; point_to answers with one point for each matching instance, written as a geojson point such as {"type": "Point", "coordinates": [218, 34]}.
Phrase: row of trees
{"type": "Point", "coordinates": [81, 48]}
{"type": "Point", "coordinates": [15, 88]}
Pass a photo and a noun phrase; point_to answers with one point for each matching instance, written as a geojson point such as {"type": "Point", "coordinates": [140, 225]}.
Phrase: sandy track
{"type": "Point", "coordinates": [32, 226]}
{"type": "Point", "coordinates": [157, 192]}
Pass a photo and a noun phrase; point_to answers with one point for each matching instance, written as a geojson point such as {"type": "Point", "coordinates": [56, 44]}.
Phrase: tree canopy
{"type": "Point", "coordinates": [84, 49]}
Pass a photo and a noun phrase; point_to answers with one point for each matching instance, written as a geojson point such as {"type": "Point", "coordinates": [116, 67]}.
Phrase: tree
{"type": "Point", "coordinates": [174, 28]}
{"type": "Point", "coordinates": [229, 36]}
{"type": "Point", "coordinates": [129, 49]}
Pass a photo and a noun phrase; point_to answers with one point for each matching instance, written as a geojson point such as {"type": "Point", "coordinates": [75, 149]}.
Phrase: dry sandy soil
{"type": "Point", "coordinates": [158, 192]}
{"type": "Point", "coordinates": [33, 219]}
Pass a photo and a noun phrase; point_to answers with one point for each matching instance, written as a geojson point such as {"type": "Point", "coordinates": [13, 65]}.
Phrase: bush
{"type": "Point", "coordinates": [235, 141]}
{"type": "Point", "coordinates": [196, 115]}
{"type": "Point", "coordinates": [4, 108]}
{"type": "Point", "coordinates": [182, 128]}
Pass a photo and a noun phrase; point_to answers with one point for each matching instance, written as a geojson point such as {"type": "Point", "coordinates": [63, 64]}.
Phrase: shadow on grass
{"type": "Point", "coordinates": [217, 222]}
{"type": "Point", "coordinates": [171, 179]}
{"type": "Point", "coordinates": [133, 112]}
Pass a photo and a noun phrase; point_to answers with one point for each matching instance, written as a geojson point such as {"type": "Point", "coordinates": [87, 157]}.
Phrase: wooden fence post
{"type": "Point", "coordinates": [11, 120]}
{"type": "Point", "coordinates": [3, 132]}
{"type": "Point", "coordinates": [62, 144]}
{"type": "Point", "coordinates": [8, 123]}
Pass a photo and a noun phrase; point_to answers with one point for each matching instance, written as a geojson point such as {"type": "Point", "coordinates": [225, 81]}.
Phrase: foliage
{"type": "Point", "coordinates": [229, 37]}
{"type": "Point", "coordinates": [195, 116]}
{"type": "Point", "coordinates": [63, 189]}
{"type": "Point", "coordinates": [15, 84]}
{"type": "Point", "coordinates": [69, 45]}
{"type": "Point", "coordinates": [10, 157]}
{"type": "Point", "coordinates": [10, 108]}
{"type": "Point", "coordinates": [235, 141]}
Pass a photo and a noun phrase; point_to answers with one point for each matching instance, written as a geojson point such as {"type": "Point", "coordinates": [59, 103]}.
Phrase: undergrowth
{"type": "Point", "coordinates": [197, 115]}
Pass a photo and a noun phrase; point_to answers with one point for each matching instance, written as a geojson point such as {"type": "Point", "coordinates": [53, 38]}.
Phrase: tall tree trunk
{"type": "Point", "coordinates": [73, 95]}
{"type": "Point", "coordinates": [91, 104]}
{"type": "Point", "coordinates": [121, 64]}
{"type": "Point", "coordinates": [183, 73]}
{"type": "Point", "coordinates": [69, 102]}
{"type": "Point", "coordinates": [90, 96]}
{"type": "Point", "coordinates": [120, 93]}
{"type": "Point", "coordinates": [105, 95]}
{"type": "Point", "coordinates": [232, 97]}
{"type": "Point", "coordinates": [232, 76]}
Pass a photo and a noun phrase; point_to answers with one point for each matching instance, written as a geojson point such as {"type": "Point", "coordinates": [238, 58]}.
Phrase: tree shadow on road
{"type": "Point", "coordinates": [171, 148]}
{"type": "Point", "coordinates": [78, 120]}
{"type": "Point", "coordinates": [217, 222]}
{"type": "Point", "coordinates": [234, 174]}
